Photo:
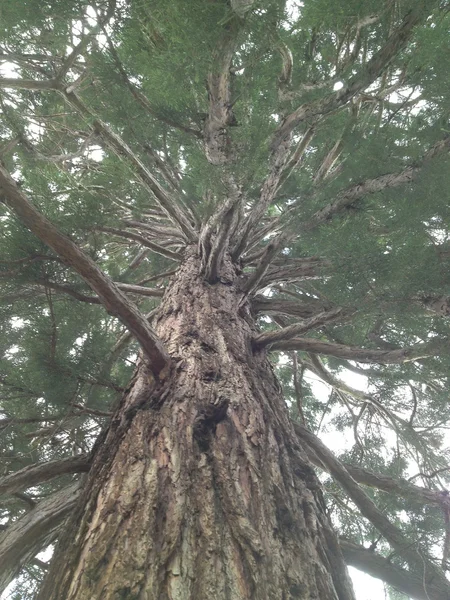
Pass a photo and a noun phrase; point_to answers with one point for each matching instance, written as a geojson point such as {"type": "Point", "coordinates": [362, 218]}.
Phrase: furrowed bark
{"type": "Point", "coordinates": [115, 302]}
{"type": "Point", "coordinates": [199, 488]}
{"type": "Point", "coordinates": [35, 530]}
{"type": "Point", "coordinates": [40, 472]}
{"type": "Point", "coordinates": [410, 583]}
{"type": "Point", "coordinates": [362, 355]}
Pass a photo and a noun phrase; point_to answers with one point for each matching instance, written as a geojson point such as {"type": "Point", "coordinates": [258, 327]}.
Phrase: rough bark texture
{"type": "Point", "coordinates": [35, 530]}
{"type": "Point", "coordinates": [199, 489]}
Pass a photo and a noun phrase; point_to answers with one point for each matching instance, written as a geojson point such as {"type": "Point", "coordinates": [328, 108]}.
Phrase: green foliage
{"type": "Point", "coordinates": [384, 256]}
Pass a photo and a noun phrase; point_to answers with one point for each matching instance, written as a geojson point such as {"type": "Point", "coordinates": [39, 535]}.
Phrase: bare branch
{"type": "Point", "coordinates": [399, 487]}
{"type": "Point", "coordinates": [268, 191]}
{"type": "Point", "coordinates": [217, 231]}
{"type": "Point", "coordinates": [141, 290]}
{"type": "Point", "coordinates": [27, 84]}
{"type": "Point", "coordinates": [281, 306]}
{"type": "Point", "coordinates": [142, 240]}
{"type": "Point", "coordinates": [122, 151]}
{"type": "Point", "coordinates": [115, 302]}
{"type": "Point", "coordinates": [252, 282]}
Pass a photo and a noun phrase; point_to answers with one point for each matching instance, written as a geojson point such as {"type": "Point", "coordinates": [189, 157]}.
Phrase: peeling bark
{"type": "Point", "coordinates": [199, 488]}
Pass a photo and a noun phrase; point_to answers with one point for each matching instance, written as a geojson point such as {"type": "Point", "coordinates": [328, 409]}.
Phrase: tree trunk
{"type": "Point", "coordinates": [199, 488]}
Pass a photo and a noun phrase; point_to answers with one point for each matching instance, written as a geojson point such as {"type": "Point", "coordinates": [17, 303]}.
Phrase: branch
{"type": "Point", "coordinates": [220, 113]}
{"type": "Point", "coordinates": [124, 153]}
{"type": "Point", "coordinates": [141, 290]}
{"type": "Point", "coordinates": [142, 99]}
{"type": "Point", "coordinates": [142, 240]}
{"type": "Point", "coordinates": [27, 84]}
{"type": "Point", "coordinates": [312, 111]}
{"type": "Point", "coordinates": [286, 333]}
{"type": "Point", "coordinates": [216, 233]}
{"type": "Point", "coordinates": [39, 472]}
{"type": "Point", "coordinates": [411, 583]}
{"type": "Point", "coordinates": [115, 302]}
{"type": "Point", "coordinates": [407, 548]}
{"type": "Point", "coordinates": [241, 7]}
{"type": "Point", "coordinates": [268, 191]}
{"type": "Point", "coordinates": [280, 306]}
{"type": "Point", "coordinates": [362, 355]}
{"type": "Point", "coordinates": [304, 268]}
{"type": "Point", "coordinates": [399, 487]}
{"type": "Point", "coordinates": [35, 530]}
{"type": "Point", "coordinates": [347, 198]}
{"type": "Point", "coordinates": [253, 281]}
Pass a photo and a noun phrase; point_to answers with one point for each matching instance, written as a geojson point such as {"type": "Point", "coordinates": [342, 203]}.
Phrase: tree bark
{"type": "Point", "coordinates": [35, 530]}
{"type": "Point", "coordinates": [200, 489]}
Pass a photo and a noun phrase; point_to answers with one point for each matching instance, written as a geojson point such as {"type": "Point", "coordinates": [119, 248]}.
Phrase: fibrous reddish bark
{"type": "Point", "coordinates": [199, 488]}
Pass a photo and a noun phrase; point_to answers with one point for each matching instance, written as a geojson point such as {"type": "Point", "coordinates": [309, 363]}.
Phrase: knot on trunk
{"type": "Point", "coordinates": [206, 422]}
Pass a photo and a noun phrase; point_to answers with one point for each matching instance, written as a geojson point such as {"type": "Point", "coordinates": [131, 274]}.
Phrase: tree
{"type": "Point", "coordinates": [202, 202]}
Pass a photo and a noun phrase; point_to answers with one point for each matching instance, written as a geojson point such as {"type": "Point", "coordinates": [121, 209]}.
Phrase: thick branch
{"type": "Point", "coordinates": [115, 302]}
{"type": "Point", "coordinates": [406, 547]}
{"type": "Point", "coordinates": [33, 532]}
{"type": "Point", "coordinates": [216, 233]}
{"type": "Point", "coordinates": [26, 84]}
{"type": "Point", "coordinates": [39, 472]}
{"type": "Point", "coordinates": [382, 357]}
{"type": "Point", "coordinates": [220, 113]}
{"type": "Point", "coordinates": [410, 583]}
{"type": "Point", "coordinates": [281, 306]}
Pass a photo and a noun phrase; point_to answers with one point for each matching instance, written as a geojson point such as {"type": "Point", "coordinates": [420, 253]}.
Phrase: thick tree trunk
{"type": "Point", "coordinates": [199, 488]}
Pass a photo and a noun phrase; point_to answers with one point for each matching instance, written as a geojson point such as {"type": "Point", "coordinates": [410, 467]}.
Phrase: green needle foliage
{"type": "Point", "coordinates": [141, 68]}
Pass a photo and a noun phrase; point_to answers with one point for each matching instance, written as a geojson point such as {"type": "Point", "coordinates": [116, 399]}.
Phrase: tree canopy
{"type": "Point", "coordinates": [310, 140]}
